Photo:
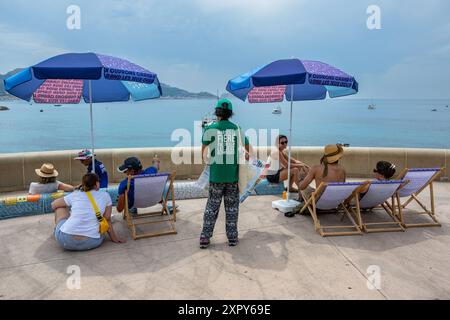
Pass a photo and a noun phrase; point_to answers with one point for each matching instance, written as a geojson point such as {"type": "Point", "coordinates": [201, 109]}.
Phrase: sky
{"type": "Point", "coordinates": [199, 45]}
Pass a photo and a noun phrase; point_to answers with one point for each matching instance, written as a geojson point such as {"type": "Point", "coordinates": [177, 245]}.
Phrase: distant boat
{"type": "Point", "coordinates": [371, 107]}
{"type": "Point", "coordinates": [3, 108]}
{"type": "Point", "coordinates": [344, 144]}
{"type": "Point", "coordinates": [57, 105]}
{"type": "Point", "coordinates": [433, 110]}
{"type": "Point", "coordinates": [276, 110]}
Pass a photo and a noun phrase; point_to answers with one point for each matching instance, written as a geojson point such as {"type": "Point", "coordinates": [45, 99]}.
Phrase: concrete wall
{"type": "Point", "coordinates": [17, 169]}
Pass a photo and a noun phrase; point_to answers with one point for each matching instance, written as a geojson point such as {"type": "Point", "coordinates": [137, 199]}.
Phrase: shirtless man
{"type": "Point", "coordinates": [329, 170]}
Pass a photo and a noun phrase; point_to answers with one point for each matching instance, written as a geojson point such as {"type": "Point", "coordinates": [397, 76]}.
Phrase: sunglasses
{"type": "Point", "coordinates": [283, 142]}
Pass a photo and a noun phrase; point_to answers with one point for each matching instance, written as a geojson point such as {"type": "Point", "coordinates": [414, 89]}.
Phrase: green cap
{"type": "Point", "coordinates": [224, 104]}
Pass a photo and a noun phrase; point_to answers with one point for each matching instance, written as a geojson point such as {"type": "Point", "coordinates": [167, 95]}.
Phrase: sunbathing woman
{"type": "Point", "coordinates": [384, 170]}
{"type": "Point", "coordinates": [278, 169]}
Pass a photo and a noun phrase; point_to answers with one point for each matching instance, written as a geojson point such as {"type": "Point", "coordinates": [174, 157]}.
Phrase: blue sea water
{"type": "Point", "coordinates": [394, 123]}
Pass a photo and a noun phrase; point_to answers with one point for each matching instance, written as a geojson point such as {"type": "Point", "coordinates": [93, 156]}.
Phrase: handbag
{"type": "Point", "coordinates": [246, 171]}
{"type": "Point", "coordinates": [104, 226]}
{"type": "Point", "coordinates": [203, 180]}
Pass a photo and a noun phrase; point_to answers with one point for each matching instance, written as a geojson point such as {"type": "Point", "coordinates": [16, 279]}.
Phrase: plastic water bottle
{"type": "Point", "coordinates": [156, 162]}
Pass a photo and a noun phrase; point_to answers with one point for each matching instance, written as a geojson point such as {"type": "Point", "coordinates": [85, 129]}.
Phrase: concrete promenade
{"type": "Point", "coordinates": [277, 258]}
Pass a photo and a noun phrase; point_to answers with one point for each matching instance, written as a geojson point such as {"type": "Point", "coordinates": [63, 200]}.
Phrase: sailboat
{"type": "Point", "coordinates": [371, 107]}
{"type": "Point", "coordinates": [276, 110]}
{"type": "Point", "coordinates": [209, 118]}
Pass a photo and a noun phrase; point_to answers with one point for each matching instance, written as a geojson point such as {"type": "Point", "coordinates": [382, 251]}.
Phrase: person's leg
{"type": "Point", "coordinates": [231, 201]}
{"type": "Point", "coordinates": [303, 172]}
{"type": "Point", "coordinates": [61, 213]}
{"type": "Point", "coordinates": [212, 209]}
{"type": "Point", "coordinates": [295, 178]}
{"type": "Point", "coordinates": [306, 193]}
{"type": "Point", "coordinates": [283, 175]}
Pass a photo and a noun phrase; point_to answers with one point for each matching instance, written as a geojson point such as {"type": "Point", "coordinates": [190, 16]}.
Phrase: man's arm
{"type": "Point", "coordinates": [121, 199]}
{"type": "Point", "coordinates": [204, 152]}
{"type": "Point", "coordinates": [120, 203]}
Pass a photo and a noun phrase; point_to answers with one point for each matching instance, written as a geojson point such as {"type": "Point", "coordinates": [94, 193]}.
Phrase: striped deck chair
{"type": "Point", "coordinates": [419, 180]}
{"type": "Point", "coordinates": [332, 196]}
{"type": "Point", "coordinates": [149, 190]}
{"type": "Point", "coordinates": [378, 195]}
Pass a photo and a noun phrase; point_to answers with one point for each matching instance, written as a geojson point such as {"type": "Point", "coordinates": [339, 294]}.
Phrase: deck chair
{"type": "Point", "coordinates": [378, 195]}
{"type": "Point", "coordinates": [149, 190]}
{"type": "Point", "coordinates": [332, 196]}
{"type": "Point", "coordinates": [419, 180]}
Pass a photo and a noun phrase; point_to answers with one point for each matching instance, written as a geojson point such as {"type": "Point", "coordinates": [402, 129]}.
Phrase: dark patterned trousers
{"type": "Point", "coordinates": [230, 193]}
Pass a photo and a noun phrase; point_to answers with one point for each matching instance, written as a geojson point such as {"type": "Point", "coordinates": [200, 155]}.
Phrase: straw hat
{"type": "Point", "coordinates": [332, 153]}
{"type": "Point", "coordinates": [47, 170]}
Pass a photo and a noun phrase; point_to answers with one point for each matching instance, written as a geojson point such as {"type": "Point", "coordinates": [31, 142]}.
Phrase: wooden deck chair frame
{"type": "Point", "coordinates": [152, 217]}
{"type": "Point", "coordinates": [310, 204]}
{"type": "Point", "coordinates": [414, 197]}
{"type": "Point", "coordinates": [396, 223]}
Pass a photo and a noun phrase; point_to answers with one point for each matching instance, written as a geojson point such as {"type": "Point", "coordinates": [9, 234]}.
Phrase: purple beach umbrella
{"type": "Point", "coordinates": [293, 80]}
{"type": "Point", "coordinates": [66, 78]}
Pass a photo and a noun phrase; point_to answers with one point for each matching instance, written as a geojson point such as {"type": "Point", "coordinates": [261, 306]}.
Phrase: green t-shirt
{"type": "Point", "coordinates": [222, 139]}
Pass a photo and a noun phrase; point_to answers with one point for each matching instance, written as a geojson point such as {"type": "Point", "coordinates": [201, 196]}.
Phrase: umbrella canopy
{"type": "Point", "coordinates": [64, 79]}
{"type": "Point", "coordinates": [293, 80]}
{"type": "Point", "coordinates": [67, 78]}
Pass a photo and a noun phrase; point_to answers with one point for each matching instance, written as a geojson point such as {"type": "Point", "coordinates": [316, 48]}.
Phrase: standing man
{"type": "Point", "coordinates": [85, 157]}
{"type": "Point", "coordinates": [221, 141]}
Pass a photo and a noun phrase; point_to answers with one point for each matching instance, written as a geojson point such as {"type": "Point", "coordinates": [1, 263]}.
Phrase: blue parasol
{"type": "Point", "coordinates": [67, 78]}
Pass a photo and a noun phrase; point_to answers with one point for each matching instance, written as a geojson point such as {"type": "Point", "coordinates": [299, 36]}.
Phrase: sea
{"type": "Point", "coordinates": [167, 123]}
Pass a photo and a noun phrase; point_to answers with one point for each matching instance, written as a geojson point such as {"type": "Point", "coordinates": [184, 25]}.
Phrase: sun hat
{"type": "Point", "coordinates": [331, 154]}
{"type": "Point", "coordinates": [84, 154]}
{"type": "Point", "coordinates": [130, 163]}
{"type": "Point", "coordinates": [224, 104]}
{"type": "Point", "coordinates": [47, 170]}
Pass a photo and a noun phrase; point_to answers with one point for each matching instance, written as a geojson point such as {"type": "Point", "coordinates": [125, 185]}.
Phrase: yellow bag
{"type": "Point", "coordinates": [104, 226]}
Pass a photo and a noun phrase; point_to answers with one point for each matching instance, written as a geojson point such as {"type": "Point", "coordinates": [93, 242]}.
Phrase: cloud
{"type": "Point", "coordinates": [414, 77]}
{"type": "Point", "coordinates": [248, 7]}
{"type": "Point", "coordinates": [22, 48]}
{"type": "Point", "coordinates": [443, 51]}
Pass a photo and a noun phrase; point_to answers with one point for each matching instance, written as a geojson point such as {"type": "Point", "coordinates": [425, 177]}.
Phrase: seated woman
{"type": "Point", "coordinates": [384, 170]}
{"type": "Point", "coordinates": [278, 169]}
{"type": "Point", "coordinates": [329, 170]}
{"type": "Point", "coordinates": [77, 228]}
{"type": "Point", "coordinates": [47, 181]}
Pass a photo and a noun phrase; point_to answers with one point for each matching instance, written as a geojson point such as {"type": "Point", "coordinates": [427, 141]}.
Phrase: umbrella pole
{"type": "Point", "coordinates": [290, 143]}
{"type": "Point", "coordinates": [92, 125]}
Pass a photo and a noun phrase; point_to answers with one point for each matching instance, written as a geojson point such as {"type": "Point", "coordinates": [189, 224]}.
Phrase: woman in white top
{"type": "Point", "coordinates": [77, 228]}
{"type": "Point", "coordinates": [278, 169]}
{"type": "Point", "coordinates": [47, 181]}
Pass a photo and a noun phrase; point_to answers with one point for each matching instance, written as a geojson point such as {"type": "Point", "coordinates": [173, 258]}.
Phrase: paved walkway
{"type": "Point", "coordinates": [277, 258]}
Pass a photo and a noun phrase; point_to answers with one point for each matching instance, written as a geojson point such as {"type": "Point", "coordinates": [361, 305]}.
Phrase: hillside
{"type": "Point", "coordinates": [168, 91]}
